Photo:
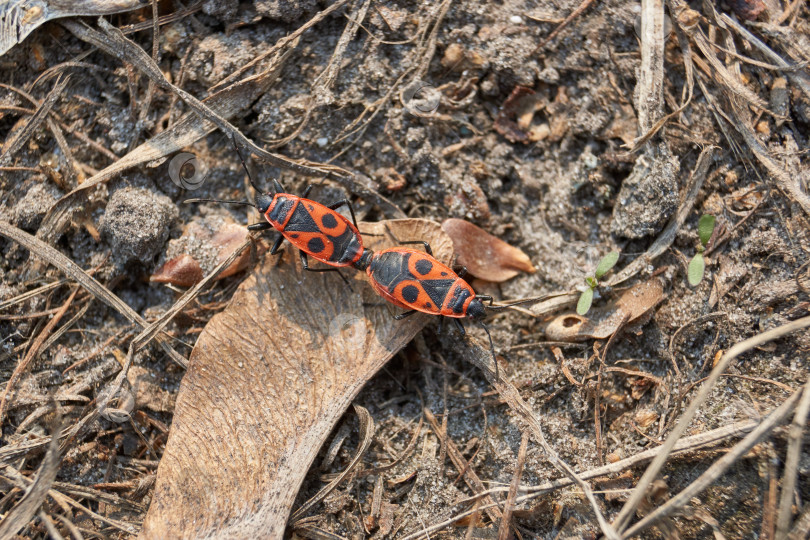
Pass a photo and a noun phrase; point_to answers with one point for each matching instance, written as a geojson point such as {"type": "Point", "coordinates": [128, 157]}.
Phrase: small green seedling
{"type": "Point", "coordinates": [604, 266]}
{"type": "Point", "coordinates": [697, 266]}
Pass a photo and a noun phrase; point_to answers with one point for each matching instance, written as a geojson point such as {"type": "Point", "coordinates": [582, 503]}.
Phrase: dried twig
{"type": "Point", "coordinates": [654, 468]}
{"type": "Point", "coordinates": [18, 139]}
{"type": "Point", "coordinates": [795, 434]}
{"type": "Point", "coordinates": [503, 531]}
{"type": "Point", "coordinates": [717, 469]}
{"type": "Point", "coordinates": [574, 14]}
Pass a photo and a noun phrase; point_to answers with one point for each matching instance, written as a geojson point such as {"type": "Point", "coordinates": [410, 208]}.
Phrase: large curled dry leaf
{"type": "Point", "coordinates": [484, 255]}
{"type": "Point", "coordinates": [268, 379]}
{"type": "Point", "coordinates": [631, 307]}
{"type": "Point", "coordinates": [18, 19]}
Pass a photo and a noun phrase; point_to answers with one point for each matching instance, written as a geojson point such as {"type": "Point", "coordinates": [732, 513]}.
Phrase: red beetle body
{"type": "Point", "coordinates": [316, 229]}
{"type": "Point", "coordinates": [415, 280]}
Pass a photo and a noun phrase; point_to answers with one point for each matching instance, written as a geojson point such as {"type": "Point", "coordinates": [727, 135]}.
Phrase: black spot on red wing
{"type": "Point", "coordinates": [329, 221]}
{"type": "Point", "coordinates": [423, 266]}
{"type": "Point", "coordinates": [410, 293]}
{"type": "Point", "coordinates": [310, 208]}
{"type": "Point", "coordinates": [294, 236]}
{"type": "Point", "coordinates": [444, 273]}
{"type": "Point", "coordinates": [315, 245]}
{"type": "Point", "coordinates": [428, 305]}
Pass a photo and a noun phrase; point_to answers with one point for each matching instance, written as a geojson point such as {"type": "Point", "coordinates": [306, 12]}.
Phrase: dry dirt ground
{"type": "Point", "coordinates": [517, 116]}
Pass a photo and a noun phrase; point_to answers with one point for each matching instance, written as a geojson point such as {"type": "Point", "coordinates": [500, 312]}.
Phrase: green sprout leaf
{"type": "Point", "coordinates": [696, 268]}
{"type": "Point", "coordinates": [585, 301]}
{"type": "Point", "coordinates": [591, 282]}
{"type": "Point", "coordinates": [705, 229]}
{"type": "Point", "coordinates": [607, 262]}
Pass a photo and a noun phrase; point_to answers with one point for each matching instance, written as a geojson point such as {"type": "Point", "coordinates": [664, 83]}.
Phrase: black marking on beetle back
{"type": "Point", "coordinates": [279, 212]}
{"type": "Point", "coordinates": [315, 245]}
{"type": "Point", "coordinates": [347, 246]}
{"type": "Point", "coordinates": [329, 221]}
{"type": "Point", "coordinates": [390, 268]}
{"type": "Point", "coordinates": [423, 266]}
{"type": "Point", "coordinates": [302, 221]}
{"type": "Point", "coordinates": [410, 293]}
{"type": "Point", "coordinates": [437, 289]}
{"type": "Point", "coordinates": [460, 296]}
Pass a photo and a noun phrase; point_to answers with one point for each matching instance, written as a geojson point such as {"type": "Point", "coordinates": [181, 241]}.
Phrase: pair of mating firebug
{"type": "Point", "coordinates": [410, 279]}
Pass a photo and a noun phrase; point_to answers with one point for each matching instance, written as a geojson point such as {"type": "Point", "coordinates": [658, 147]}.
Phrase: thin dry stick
{"type": "Point", "coordinates": [503, 531]}
{"type": "Point", "coordinates": [33, 123]}
{"type": "Point", "coordinates": [717, 468]}
{"type": "Point", "coordinates": [279, 44]}
{"type": "Point", "coordinates": [34, 351]}
{"type": "Point", "coordinates": [792, 463]}
{"type": "Point", "coordinates": [511, 395]}
{"type": "Point", "coordinates": [685, 445]}
{"type": "Point", "coordinates": [470, 477]}
{"type": "Point", "coordinates": [44, 251]}
{"type": "Point", "coordinates": [799, 78]}
{"type": "Point", "coordinates": [574, 14]}
{"type": "Point", "coordinates": [655, 467]}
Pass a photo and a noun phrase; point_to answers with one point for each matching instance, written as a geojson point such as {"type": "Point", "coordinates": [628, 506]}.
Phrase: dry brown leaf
{"type": "Point", "coordinates": [485, 256]}
{"type": "Point", "coordinates": [183, 271]}
{"type": "Point", "coordinates": [268, 379]}
{"type": "Point", "coordinates": [204, 244]}
{"type": "Point", "coordinates": [601, 323]}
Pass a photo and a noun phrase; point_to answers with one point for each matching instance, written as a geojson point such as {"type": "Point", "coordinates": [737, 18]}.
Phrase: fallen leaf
{"type": "Point", "coordinates": [485, 256]}
{"type": "Point", "coordinates": [631, 307]}
{"type": "Point", "coordinates": [203, 245]}
{"type": "Point", "coordinates": [268, 380]}
{"type": "Point", "coordinates": [183, 271]}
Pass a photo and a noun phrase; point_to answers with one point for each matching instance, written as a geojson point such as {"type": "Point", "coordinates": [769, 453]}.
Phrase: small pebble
{"type": "Point", "coordinates": [323, 141]}
{"type": "Point", "coordinates": [516, 19]}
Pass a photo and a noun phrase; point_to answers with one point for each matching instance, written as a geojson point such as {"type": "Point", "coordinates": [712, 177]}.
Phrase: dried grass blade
{"type": "Point", "coordinates": [654, 468]}
{"type": "Point", "coordinates": [795, 436]}
{"type": "Point", "coordinates": [718, 468]}
{"type": "Point", "coordinates": [27, 507]}
{"type": "Point", "coordinates": [18, 140]}
{"type": "Point", "coordinates": [44, 251]}
{"type": "Point", "coordinates": [503, 532]}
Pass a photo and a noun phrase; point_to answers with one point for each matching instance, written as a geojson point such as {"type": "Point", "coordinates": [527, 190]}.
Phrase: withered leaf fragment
{"type": "Point", "coordinates": [485, 256]}
{"type": "Point", "coordinates": [631, 307]}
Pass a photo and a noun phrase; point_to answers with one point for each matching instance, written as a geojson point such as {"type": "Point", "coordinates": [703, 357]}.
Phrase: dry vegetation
{"type": "Point", "coordinates": [567, 129]}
